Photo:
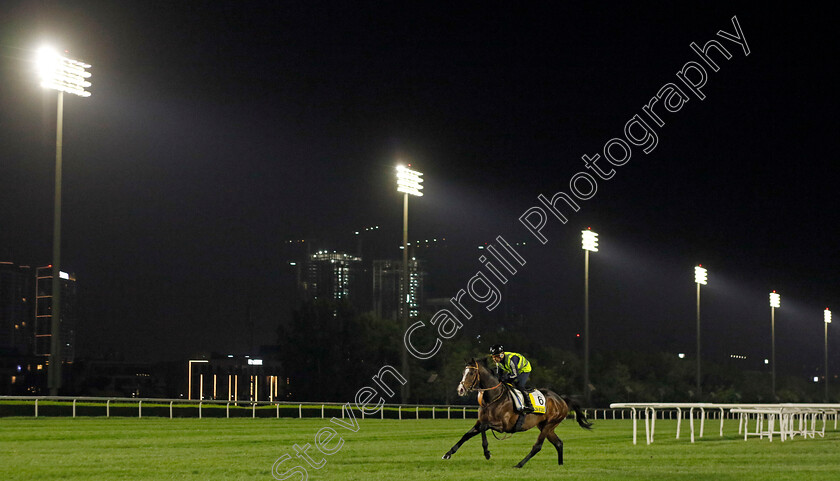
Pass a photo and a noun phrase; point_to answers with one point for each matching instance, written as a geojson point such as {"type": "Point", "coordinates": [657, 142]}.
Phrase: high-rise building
{"type": "Point", "coordinates": [43, 314]}
{"type": "Point", "coordinates": [331, 275]}
{"type": "Point", "coordinates": [388, 288]}
{"type": "Point", "coordinates": [16, 314]}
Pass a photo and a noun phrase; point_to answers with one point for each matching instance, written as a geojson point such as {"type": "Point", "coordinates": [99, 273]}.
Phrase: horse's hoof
{"type": "Point", "coordinates": [518, 466]}
{"type": "Point", "coordinates": [487, 455]}
{"type": "Point", "coordinates": [446, 456]}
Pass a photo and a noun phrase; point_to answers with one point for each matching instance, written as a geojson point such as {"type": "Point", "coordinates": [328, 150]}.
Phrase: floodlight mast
{"type": "Point", "coordinates": [409, 183]}
{"type": "Point", "coordinates": [589, 243]}
{"type": "Point", "coordinates": [700, 278]}
{"type": "Point", "coordinates": [826, 321]}
{"type": "Point", "coordinates": [61, 74]}
{"type": "Point", "coordinates": [775, 303]}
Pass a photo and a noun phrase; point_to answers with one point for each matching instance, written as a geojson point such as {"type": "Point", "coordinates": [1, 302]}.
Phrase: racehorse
{"type": "Point", "coordinates": [496, 412]}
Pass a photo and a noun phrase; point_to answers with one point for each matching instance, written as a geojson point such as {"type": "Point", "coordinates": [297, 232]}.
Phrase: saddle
{"type": "Point", "coordinates": [537, 399]}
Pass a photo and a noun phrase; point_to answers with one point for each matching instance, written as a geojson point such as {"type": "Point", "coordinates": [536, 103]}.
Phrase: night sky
{"type": "Point", "coordinates": [216, 131]}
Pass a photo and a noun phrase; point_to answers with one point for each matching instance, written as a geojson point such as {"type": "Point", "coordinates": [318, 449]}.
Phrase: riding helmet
{"type": "Point", "coordinates": [497, 349]}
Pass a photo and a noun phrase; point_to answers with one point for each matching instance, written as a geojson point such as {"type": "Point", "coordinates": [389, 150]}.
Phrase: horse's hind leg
{"type": "Point", "coordinates": [534, 449]}
{"type": "Point", "coordinates": [484, 444]}
{"type": "Point", "coordinates": [478, 428]}
{"type": "Point", "coordinates": [558, 444]}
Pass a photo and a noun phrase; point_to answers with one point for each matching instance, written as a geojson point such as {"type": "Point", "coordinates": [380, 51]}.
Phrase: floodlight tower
{"type": "Point", "coordinates": [700, 277]}
{"type": "Point", "coordinates": [589, 242]}
{"type": "Point", "coordinates": [409, 183]}
{"type": "Point", "coordinates": [827, 321]}
{"type": "Point", "coordinates": [775, 302]}
{"type": "Point", "coordinates": [63, 75]}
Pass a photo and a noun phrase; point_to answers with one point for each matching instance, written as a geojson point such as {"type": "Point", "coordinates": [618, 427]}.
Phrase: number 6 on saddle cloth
{"type": "Point", "coordinates": [537, 399]}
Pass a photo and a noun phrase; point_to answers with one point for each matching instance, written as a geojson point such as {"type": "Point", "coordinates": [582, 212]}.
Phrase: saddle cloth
{"type": "Point", "coordinates": [537, 400]}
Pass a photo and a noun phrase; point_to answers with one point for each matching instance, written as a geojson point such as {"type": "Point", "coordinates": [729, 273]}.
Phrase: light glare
{"type": "Point", "coordinates": [827, 316]}
{"type": "Point", "coordinates": [408, 181]}
{"type": "Point", "coordinates": [589, 240]}
{"type": "Point", "coordinates": [62, 73]}
{"type": "Point", "coordinates": [700, 275]}
{"type": "Point", "coordinates": [775, 300]}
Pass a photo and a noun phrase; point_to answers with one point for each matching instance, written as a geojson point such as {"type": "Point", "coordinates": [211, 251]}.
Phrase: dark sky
{"type": "Point", "coordinates": [218, 130]}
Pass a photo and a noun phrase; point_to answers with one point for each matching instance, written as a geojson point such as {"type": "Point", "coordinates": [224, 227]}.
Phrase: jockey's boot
{"type": "Point", "coordinates": [528, 408]}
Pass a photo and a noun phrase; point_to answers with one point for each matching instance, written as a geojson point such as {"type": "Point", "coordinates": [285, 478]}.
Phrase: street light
{"type": "Point", "coordinates": [63, 75]}
{"type": "Point", "coordinates": [589, 242]}
{"type": "Point", "coordinates": [775, 302]}
{"type": "Point", "coordinates": [408, 182]}
{"type": "Point", "coordinates": [189, 383]}
{"type": "Point", "coordinates": [700, 277]}
{"type": "Point", "coordinates": [827, 319]}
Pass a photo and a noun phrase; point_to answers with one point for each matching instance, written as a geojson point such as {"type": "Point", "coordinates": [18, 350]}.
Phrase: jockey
{"type": "Point", "coordinates": [512, 367]}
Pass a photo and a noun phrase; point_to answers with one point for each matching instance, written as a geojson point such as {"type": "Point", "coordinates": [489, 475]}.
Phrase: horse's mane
{"type": "Point", "coordinates": [482, 366]}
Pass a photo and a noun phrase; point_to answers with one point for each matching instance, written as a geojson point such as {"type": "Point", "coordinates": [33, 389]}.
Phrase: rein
{"type": "Point", "coordinates": [477, 380]}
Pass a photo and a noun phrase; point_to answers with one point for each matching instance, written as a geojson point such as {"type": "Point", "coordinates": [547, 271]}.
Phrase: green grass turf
{"type": "Point", "coordinates": [96, 448]}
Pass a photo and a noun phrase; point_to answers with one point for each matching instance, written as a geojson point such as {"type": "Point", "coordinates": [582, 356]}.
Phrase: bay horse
{"type": "Point", "coordinates": [496, 412]}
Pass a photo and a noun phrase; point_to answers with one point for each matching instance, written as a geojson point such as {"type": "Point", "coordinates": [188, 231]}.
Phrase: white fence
{"type": "Point", "coordinates": [705, 410]}
{"type": "Point", "coordinates": [104, 406]}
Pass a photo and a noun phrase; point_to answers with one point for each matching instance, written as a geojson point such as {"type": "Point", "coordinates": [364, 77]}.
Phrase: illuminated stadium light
{"type": "Point", "coordinates": [700, 275]}
{"type": "Point", "coordinates": [589, 240]}
{"type": "Point", "coordinates": [775, 302]}
{"type": "Point", "coordinates": [700, 278]}
{"type": "Point", "coordinates": [408, 181]}
{"type": "Point", "coordinates": [826, 321]}
{"type": "Point", "coordinates": [62, 73]}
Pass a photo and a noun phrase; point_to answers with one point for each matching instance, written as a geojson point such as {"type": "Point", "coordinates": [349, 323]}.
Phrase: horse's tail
{"type": "Point", "coordinates": [580, 417]}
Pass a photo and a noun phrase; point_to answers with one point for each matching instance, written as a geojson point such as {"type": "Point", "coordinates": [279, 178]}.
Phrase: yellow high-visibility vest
{"type": "Point", "coordinates": [522, 366]}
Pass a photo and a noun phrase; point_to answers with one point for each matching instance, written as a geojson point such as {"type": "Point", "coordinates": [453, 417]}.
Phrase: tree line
{"type": "Point", "coordinates": [329, 350]}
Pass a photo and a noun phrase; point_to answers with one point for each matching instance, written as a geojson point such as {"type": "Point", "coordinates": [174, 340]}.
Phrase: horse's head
{"type": "Point", "coordinates": [470, 379]}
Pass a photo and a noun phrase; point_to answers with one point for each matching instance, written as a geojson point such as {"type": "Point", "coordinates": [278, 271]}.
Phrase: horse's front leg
{"type": "Point", "coordinates": [478, 428]}
{"type": "Point", "coordinates": [484, 443]}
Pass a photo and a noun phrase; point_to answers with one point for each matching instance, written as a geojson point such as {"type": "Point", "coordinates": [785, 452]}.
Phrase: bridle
{"type": "Point", "coordinates": [476, 380]}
